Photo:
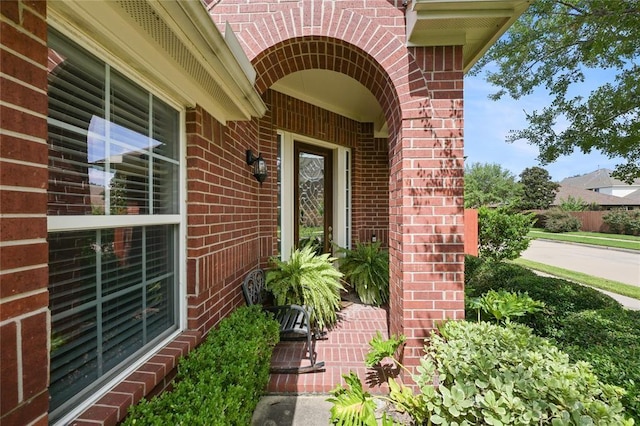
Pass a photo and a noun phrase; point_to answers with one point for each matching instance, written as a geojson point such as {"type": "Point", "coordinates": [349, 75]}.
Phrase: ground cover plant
{"type": "Point", "coordinates": [221, 381]}
{"type": "Point", "coordinates": [486, 374]}
{"type": "Point", "coordinates": [584, 323]}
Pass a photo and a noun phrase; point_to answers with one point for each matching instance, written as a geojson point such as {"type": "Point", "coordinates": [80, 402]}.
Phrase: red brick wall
{"type": "Point", "coordinates": [420, 91]}
{"type": "Point", "coordinates": [24, 323]}
{"type": "Point", "coordinates": [223, 217]}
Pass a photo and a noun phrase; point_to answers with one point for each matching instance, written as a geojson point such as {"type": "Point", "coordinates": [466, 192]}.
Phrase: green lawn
{"type": "Point", "coordinates": [594, 238]}
{"type": "Point", "coordinates": [596, 282]}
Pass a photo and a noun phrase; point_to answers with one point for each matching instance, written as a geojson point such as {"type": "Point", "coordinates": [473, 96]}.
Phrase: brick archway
{"type": "Point", "coordinates": [420, 91]}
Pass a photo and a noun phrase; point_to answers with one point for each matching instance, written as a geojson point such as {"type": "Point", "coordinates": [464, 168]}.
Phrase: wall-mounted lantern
{"type": "Point", "coordinates": [259, 166]}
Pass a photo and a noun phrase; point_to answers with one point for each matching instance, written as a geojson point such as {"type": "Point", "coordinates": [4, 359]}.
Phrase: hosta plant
{"type": "Point", "coordinates": [366, 268]}
{"type": "Point", "coordinates": [307, 279]}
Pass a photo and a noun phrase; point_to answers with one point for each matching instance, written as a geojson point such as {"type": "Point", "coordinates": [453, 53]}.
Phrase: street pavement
{"type": "Point", "coordinates": [618, 265]}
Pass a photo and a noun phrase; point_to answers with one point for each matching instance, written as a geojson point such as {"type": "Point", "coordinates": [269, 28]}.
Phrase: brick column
{"type": "Point", "coordinates": [24, 317]}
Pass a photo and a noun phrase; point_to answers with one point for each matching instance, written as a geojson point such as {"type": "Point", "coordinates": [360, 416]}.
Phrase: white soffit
{"type": "Point", "coordinates": [173, 44]}
{"type": "Point", "coordinates": [474, 24]}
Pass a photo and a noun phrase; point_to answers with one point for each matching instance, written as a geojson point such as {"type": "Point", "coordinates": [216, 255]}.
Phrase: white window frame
{"type": "Point", "coordinates": [341, 189]}
{"type": "Point", "coordinates": [68, 223]}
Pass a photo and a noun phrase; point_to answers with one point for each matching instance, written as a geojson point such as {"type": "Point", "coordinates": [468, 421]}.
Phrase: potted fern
{"type": "Point", "coordinates": [307, 279]}
{"type": "Point", "coordinates": [366, 268]}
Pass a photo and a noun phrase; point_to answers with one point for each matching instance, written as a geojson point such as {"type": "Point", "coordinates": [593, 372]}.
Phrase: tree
{"type": "Point", "coordinates": [538, 190]}
{"type": "Point", "coordinates": [551, 46]}
{"type": "Point", "coordinates": [502, 235]}
{"type": "Point", "coordinates": [487, 184]}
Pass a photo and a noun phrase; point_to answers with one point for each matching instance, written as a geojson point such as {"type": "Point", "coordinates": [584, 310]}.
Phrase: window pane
{"type": "Point", "coordinates": [124, 164]}
{"type": "Point", "coordinates": [112, 291]}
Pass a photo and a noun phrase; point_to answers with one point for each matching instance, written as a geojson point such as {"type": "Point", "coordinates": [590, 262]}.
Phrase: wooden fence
{"type": "Point", "coordinates": [471, 232]}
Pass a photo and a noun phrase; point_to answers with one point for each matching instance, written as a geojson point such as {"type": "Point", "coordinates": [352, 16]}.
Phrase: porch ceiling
{"type": "Point", "coordinates": [474, 24]}
{"type": "Point", "coordinates": [335, 92]}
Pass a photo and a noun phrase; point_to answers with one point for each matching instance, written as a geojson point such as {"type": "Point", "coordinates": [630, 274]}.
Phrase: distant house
{"type": "Point", "coordinates": [601, 181]}
{"type": "Point", "coordinates": [604, 201]}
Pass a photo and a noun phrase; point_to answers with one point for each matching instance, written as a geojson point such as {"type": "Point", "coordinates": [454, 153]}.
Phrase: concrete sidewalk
{"type": "Point", "coordinates": [292, 410]}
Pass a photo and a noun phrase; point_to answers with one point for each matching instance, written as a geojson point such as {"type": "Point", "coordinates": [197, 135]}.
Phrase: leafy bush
{"type": "Point", "coordinates": [502, 235]}
{"type": "Point", "coordinates": [609, 339]}
{"type": "Point", "coordinates": [307, 279]}
{"type": "Point", "coordinates": [366, 268]}
{"type": "Point", "coordinates": [558, 220]}
{"type": "Point", "coordinates": [488, 374]}
{"type": "Point", "coordinates": [573, 204]}
{"type": "Point", "coordinates": [623, 221]}
{"type": "Point", "coordinates": [560, 297]}
{"type": "Point", "coordinates": [220, 382]}
{"type": "Point", "coordinates": [503, 305]}
{"type": "Point", "coordinates": [585, 323]}
{"type": "Point", "coordinates": [482, 276]}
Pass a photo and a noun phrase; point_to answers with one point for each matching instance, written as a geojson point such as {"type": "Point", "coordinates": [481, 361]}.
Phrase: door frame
{"type": "Point", "coordinates": [327, 153]}
{"type": "Point", "coordinates": [342, 194]}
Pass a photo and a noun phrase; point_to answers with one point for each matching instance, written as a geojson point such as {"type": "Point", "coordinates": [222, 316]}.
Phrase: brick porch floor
{"type": "Point", "coordinates": [343, 350]}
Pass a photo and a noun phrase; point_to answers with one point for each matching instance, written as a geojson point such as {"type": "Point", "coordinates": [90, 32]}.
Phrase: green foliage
{"type": "Point", "coordinates": [573, 204]}
{"type": "Point", "coordinates": [307, 279]}
{"type": "Point", "coordinates": [366, 268]}
{"type": "Point", "coordinates": [220, 382]}
{"type": "Point", "coordinates": [503, 305]}
{"type": "Point", "coordinates": [490, 374]}
{"type": "Point", "coordinates": [586, 324]}
{"type": "Point", "coordinates": [539, 190]}
{"type": "Point", "coordinates": [480, 373]}
{"type": "Point", "coordinates": [609, 339]}
{"type": "Point", "coordinates": [489, 184]}
{"type": "Point", "coordinates": [550, 47]}
{"type": "Point", "coordinates": [381, 348]}
{"type": "Point", "coordinates": [623, 221]}
{"type": "Point", "coordinates": [502, 235]}
{"type": "Point", "coordinates": [352, 406]}
{"type": "Point", "coordinates": [560, 297]}
{"type": "Point", "coordinates": [558, 220]}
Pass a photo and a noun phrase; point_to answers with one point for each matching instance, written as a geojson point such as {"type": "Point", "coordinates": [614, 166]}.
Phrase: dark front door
{"type": "Point", "coordinates": [313, 197]}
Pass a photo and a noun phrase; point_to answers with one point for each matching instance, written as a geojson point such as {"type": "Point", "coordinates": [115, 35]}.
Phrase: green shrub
{"type": "Point", "coordinates": [573, 204]}
{"type": "Point", "coordinates": [488, 374]}
{"type": "Point", "coordinates": [558, 220]}
{"type": "Point", "coordinates": [221, 381]}
{"type": "Point", "coordinates": [609, 339]}
{"type": "Point", "coordinates": [503, 305]}
{"type": "Point", "coordinates": [366, 268]}
{"type": "Point", "coordinates": [623, 221]}
{"type": "Point", "coordinates": [501, 234]}
{"type": "Point", "coordinates": [482, 276]}
{"type": "Point", "coordinates": [310, 279]}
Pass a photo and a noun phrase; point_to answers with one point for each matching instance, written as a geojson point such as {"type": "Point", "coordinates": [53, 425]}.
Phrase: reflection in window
{"type": "Point", "coordinates": [113, 151]}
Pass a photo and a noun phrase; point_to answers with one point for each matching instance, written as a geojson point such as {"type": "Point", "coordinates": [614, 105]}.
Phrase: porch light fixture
{"type": "Point", "coordinates": [259, 166]}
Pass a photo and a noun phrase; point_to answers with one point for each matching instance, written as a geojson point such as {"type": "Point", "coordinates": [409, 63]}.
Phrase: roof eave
{"type": "Point", "coordinates": [473, 24]}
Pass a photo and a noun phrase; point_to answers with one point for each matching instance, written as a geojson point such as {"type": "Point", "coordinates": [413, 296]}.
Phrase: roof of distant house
{"type": "Point", "coordinates": [592, 197]}
{"type": "Point", "coordinates": [601, 178]}
{"type": "Point", "coordinates": [634, 196]}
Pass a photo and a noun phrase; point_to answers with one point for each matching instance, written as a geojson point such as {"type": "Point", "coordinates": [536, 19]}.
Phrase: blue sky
{"type": "Point", "coordinates": [487, 124]}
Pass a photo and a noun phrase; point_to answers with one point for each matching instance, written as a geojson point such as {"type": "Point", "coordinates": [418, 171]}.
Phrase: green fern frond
{"type": "Point", "coordinates": [307, 279]}
{"type": "Point", "coordinates": [366, 267]}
